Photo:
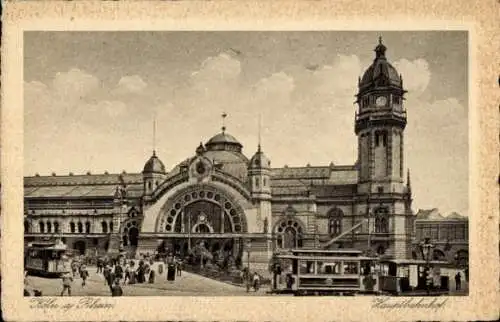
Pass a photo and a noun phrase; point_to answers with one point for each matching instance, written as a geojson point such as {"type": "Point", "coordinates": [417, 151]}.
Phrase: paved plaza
{"type": "Point", "coordinates": [186, 285]}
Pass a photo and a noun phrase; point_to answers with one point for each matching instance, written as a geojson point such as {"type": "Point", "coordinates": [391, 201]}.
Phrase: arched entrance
{"type": "Point", "coordinates": [80, 246]}
{"type": "Point", "coordinates": [206, 214]}
{"type": "Point", "coordinates": [130, 236]}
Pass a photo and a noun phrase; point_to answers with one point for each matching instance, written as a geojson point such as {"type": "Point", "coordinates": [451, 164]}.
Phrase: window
{"type": "Point", "coordinates": [104, 227]}
{"type": "Point", "coordinates": [381, 220]}
{"type": "Point", "coordinates": [87, 227]}
{"type": "Point", "coordinates": [49, 227]}
{"type": "Point", "coordinates": [256, 182]}
{"type": "Point", "coordinates": [56, 227]}
{"type": "Point", "coordinates": [380, 189]}
{"type": "Point", "coordinates": [289, 234]}
{"type": "Point", "coordinates": [80, 227]}
{"type": "Point", "coordinates": [335, 221]}
{"type": "Point", "coordinates": [72, 227]}
{"type": "Point", "coordinates": [397, 99]}
{"type": "Point", "coordinates": [264, 182]}
{"type": "Point", "coordinates": [111, 226]}
{"type": "Point", "coordinates": [26, 226]}
{"type": "Point", "coordinates": [350, 268]}
{"type": "Point", "coordinates": [42, 227]}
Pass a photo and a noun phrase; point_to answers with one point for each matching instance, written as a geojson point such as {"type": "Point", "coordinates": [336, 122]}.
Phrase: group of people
{"type": "Point", "coordinates": [126, 272]}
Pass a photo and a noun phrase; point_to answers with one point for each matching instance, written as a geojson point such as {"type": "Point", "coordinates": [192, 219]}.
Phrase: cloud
{"type": "Point", "coordinates": [73, 84]}
{"type": "Point", "coordinates": [416, 74]}
{"type": "Point", "coordinates": [130, 84]}
{"type": "Point", "coordinates": [221, 68]}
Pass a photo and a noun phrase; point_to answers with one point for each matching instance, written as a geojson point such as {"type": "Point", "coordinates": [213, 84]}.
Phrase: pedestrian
{"type": "Point", "coordinates": [458, 281]}
{"type": "Point", "coordinates": [152, 273]}
{"type": "Point", "coordinates": [67, 278]}
{"type": "Point", "coordinates": [126, 276]}
{"type": "Point", "coordinates": [179, 267]}
{"type": "Point", "coordinates": [105, 273]}
{"type": "Point", "coordinates": [110, 280]}
{"type": "Point", "coordinates": [116, 289]}
{"type": "Point", "coordinates": [74, 267]}
{"type": "Point", "coordinates": [118, 272]}
{"type": "Point", "coordinates": [84, 273]}
{"type": "Point", "coordinates": [99, 265]}
{"type": "Point", "coordinates": [132, 274]}
{"type": "Point", "coordinates": [256, 281]}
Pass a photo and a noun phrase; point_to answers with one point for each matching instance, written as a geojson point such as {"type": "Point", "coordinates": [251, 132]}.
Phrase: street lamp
{"type": "Point", "coordinates": [248, 245]}
{"type": "Point", "coordinates": [426, 250]}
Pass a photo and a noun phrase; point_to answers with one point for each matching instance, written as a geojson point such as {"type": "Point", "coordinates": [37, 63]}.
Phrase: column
{"type": "Point", "coordinates": [222, 220]}
{"type": "Point", "coordinates": [183, 226]}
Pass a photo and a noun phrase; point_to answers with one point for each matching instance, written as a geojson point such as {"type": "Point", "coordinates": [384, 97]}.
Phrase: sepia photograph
{"type": "Point", "coordinates": [246, 163]}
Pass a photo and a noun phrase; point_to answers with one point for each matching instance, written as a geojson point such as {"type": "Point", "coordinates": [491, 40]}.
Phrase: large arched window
{"type": "Point", "coordinates": [72, 227]}
{"type": "Point", "coordinates": [80, 227]}
{"type": "Point", "coordinates": [42, 227]}
{"type": "Point", "coordinates": [111, 226]}
{"type": "Point", "coordinates": [87, 227]}
{"type": "Point", "coordinates": [49, 227]}
{"type": "Point", "coordinates": [104, 227]}
{"type": "Point", "coordinates": [130, 236]}
{"type": "Point", "coordinates": [335, 221]}
{"type": "Point", "coordinates": [289, 234]}
{"type": "Point", "coordinates": [56, 227]}
{"type": "Point", "coordinates": [381, 220]}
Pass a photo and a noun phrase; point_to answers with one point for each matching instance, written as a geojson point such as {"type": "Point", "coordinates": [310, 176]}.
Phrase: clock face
{"type": "Point", "coordinates": [381, 101]}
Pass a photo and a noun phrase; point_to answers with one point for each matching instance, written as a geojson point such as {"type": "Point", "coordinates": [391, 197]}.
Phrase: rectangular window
{"type": "Point", "coordinates": [460, 234]}
{"type": "Point", "coordinates": [350, 268]}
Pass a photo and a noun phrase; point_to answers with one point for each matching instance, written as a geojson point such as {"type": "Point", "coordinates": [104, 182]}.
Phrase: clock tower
{"type": "Point", "coordinates": [380, 123]}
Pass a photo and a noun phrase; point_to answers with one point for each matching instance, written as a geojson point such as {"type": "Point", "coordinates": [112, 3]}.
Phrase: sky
{"type": "Point", "coordinates": [91, 98]}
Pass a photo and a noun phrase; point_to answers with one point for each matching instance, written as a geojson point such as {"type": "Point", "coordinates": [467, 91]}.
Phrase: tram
{"type": "Point", "coordinates": [323, 272]}
{"type": "Point", "coordinates": [46, 258]}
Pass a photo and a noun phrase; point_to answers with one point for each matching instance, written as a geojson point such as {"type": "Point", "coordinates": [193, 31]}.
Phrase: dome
{"type": "Point", "coordinates": [259, 161]}
{"type": "Point", "coordinates": [381, 72]}
{"type": "Point", "coordinates": [223, 142]}
{"type": "Point", "coordinates": [154, 165]}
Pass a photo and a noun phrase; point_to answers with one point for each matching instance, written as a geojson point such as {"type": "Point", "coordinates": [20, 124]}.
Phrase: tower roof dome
{"type": "Point", "coordinates": [223, 142]}
{"type": "Point", "coordinates": [259, 160]}
{"type": "Point", "coordinates": [154, 165]}
{"type": "Point", "coordinates": [381, 73]}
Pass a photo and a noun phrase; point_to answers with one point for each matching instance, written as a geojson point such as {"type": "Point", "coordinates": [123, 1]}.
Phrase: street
{"type": "Point", "coordinates": [186, 285]}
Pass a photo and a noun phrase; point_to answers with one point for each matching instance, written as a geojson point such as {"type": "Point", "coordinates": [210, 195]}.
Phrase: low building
{"type": "Point", "coordinates": [449, 235]}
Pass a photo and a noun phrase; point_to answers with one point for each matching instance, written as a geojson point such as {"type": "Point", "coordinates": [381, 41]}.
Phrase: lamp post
{"type": "Point", "coordinates": [426, 250]}
{"type": "Point", "coordinates": [248, 245]}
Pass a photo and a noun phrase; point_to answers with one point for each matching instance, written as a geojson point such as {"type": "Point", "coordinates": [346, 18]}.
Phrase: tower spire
{"type": "Point", "coordinates": [260, 125]}
{"type": "Point", "coordinates": [224, 115]}
{"type": "Point", "coordinates": [154, 134]}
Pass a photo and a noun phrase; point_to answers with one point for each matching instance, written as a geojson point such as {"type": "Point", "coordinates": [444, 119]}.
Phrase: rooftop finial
{"type": "Point", "coordinates": [260, 124]}
{"type": "Point", "coordinates": [154, 135]}
{"type": "Point", "coordinates": [380, 49]}
{"type": "Point", "coordinates": [224, 115]}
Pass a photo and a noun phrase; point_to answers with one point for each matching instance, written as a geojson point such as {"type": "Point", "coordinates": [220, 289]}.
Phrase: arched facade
{"type": "Point", "coordinates": [202, 204]}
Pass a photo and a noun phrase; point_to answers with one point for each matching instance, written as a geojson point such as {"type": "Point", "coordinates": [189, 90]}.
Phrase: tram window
{"type": "Point", "coordinates": [350, 268]}
{"type": "Point", "coordinates": [307, 267]}
{"type": "Point", "coordinates": [332, 268]}
{"type": "Point", "coordinates": [320, 269]}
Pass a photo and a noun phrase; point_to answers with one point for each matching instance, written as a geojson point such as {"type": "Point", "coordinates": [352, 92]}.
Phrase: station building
{"type": "Point", "coordinates": [235, 202]}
